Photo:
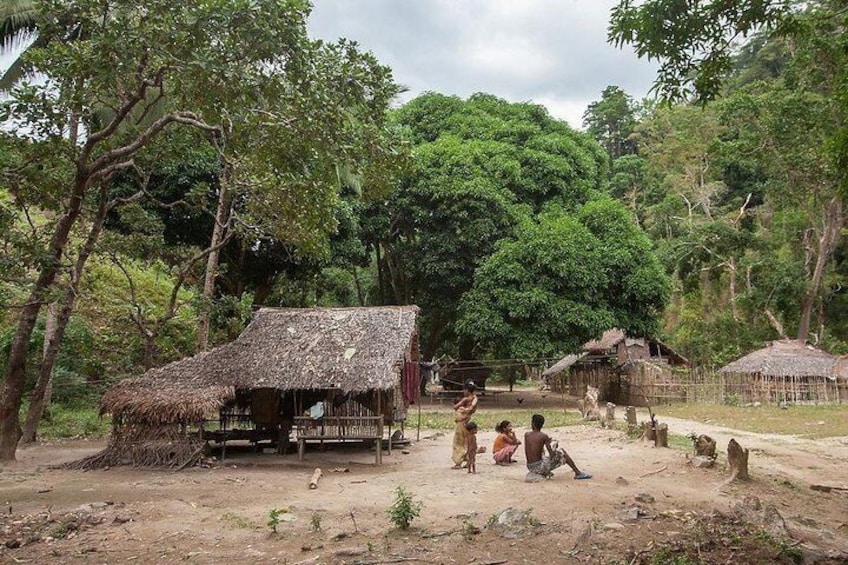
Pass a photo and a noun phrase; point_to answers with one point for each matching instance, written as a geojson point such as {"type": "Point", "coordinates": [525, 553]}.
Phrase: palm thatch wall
{"type": "Point", "coordinates": [787, 370]}
{"type": "Point", "coordinates": [345, 350]}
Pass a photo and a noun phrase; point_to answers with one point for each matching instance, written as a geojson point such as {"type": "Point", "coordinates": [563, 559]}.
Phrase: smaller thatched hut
{"type": "Point", "coordinates": [328, 374]}
{"type": "Point", "coordinates": [625, 369]}
{"type": "Point", "coordinates": [785, 371]}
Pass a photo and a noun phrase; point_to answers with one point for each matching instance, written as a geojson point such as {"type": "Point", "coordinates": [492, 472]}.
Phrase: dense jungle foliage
{"type": "Point", "coordinates": [713, 219]}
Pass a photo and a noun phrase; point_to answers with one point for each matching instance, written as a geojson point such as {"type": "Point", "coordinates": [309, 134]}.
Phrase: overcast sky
{"type": "Point", "coordinates": [551, 52]}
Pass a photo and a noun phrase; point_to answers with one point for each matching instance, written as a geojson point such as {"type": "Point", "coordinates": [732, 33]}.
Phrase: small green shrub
{"type": "Point", "coordinates": [404, 509]}
{"type": "Point", "coordinates": [315, 522]}
{"type": "Point", "coordinates": [274, 518]}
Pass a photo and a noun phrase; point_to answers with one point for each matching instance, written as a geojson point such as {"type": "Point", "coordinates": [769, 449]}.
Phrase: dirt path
{"type": "Point", "coordinates": [805, 460]}
{"type": "Point", "coordinates": [221, 513]}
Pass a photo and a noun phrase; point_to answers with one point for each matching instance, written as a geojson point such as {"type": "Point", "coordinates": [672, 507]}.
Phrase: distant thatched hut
{"type": "Point", "coordinates": [326, 373]}
{"type": "Point", "coordinates": [785, 371]}
{"type": "Point", "coordinates": [625, 370]}
{"type": "Point", "coordinates": [840, 374]}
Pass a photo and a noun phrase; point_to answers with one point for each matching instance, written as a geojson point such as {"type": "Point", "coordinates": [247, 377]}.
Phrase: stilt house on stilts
{"type": "Point", "coordinates": [317, 375]}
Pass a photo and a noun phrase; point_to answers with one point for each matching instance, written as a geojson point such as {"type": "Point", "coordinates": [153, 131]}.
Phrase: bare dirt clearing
{"type": "Point", "coordinates": [217, 514]}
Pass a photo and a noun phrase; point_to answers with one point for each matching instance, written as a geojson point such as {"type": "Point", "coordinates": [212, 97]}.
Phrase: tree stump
{"type": "Point", "coordinates": [661, 436]}
{"type": "Point", "coordinates": [737, 458]}
{"type": "Point", "coordinates": [630, 416]}
{"type": "Point", "coordinates": [610, 415]}
{"type": "Point", "coordinates": [705, 446]}
{"type": "Point", "coordinates": [589, 404]}
{"type": "Point", "coordinates": [648, 432]}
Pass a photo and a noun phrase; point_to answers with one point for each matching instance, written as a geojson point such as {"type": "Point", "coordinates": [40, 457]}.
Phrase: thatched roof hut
{"type": "Point", "coordinates": [360, 365]}
{"type": "Point", "coordinates": [348, 349]}
{"type": "Point", "coordinates": [787, 371]}
{"type": "Point", "coordinates": [784, 358]}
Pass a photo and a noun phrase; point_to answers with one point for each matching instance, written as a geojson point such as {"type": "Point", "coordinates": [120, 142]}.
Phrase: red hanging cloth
{"type": "Point", "coordinates": [411, 382]}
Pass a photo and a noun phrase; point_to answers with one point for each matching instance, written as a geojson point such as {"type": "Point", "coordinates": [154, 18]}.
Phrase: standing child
{"type": "Point", "coordinates": [471, 447]}
{"type": "Point", "coordinates": [505, 444]}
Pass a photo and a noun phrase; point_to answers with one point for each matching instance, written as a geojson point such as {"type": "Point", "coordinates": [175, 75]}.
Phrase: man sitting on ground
{"type": "Point", "coordinates": [540, 467]}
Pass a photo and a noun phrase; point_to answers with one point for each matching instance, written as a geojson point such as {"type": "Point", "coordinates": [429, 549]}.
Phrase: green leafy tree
{"type": "Point", "coordinates": [783, 119]}
{"type": "Point", "coordinates": [480, 167]}
{"type": "Point", "coordinates": [564, 280]}
{"type": "Point", "coordinates": [220, 63]}
{"type": "Point", "coordinates": [610, 120]}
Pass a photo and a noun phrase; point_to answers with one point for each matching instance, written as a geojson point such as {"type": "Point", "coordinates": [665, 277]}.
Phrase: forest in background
{"type": "Point", "coordinates": [712, 219]}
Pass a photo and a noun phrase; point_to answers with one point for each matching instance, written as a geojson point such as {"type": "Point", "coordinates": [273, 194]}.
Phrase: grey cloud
{"type": "Point", "coordinates": [548, 51]}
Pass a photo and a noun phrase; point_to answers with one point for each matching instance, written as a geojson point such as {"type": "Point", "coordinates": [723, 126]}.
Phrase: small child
{"type": "Point", "coordinates": [471, 452]}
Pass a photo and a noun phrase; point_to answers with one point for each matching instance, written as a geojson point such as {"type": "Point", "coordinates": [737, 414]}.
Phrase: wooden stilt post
{"type": "Point", "coordinates": [379, 456]}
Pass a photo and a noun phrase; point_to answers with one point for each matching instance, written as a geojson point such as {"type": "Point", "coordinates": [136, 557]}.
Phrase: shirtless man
{"type": "Point", "coordinates": [540, 467]}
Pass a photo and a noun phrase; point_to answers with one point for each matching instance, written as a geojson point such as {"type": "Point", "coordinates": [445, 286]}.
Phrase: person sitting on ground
{"type": "Point", "coordinates": [471, 452]}
{"type": "Point", "coordinates": [505, 444]}
{"type": "Point", "coordinates": [540, 467]}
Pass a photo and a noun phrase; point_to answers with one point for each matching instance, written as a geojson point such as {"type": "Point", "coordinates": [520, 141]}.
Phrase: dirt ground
{"type": "Point", "coordinates": [217, 514]}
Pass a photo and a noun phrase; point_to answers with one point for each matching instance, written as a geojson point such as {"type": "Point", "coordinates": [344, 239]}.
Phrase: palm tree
{"type": "Point", "coordinates": [17, 26]}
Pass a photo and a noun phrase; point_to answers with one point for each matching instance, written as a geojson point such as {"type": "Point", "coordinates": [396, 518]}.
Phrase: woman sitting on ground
{"type": "Point", "coordinates": [505, 444]}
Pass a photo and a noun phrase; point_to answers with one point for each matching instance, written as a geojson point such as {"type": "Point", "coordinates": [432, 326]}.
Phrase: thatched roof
{"type": "Point", "coordinates": [785, 358]}
{"type": "Point", "coordinates": [350, 349]}
{"type": "Point", "coordinates": [840, 369]}
{"type": "Point", "coordinates": [609, 340]}
{"type": "Point", "coordinates": [563, 364]}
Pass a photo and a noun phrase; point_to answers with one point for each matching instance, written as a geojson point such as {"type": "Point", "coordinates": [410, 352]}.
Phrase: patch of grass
{"type": "Point", "coordinates": [679, 442]}
{"type": "Point", "coordinates": [239, 521]}
{"type": "Point", "coordinates": [487, 419]}
{"type": "Point", "coordinates": [814, 422]}
{"type": "Point", "coordinates": [74, 421]}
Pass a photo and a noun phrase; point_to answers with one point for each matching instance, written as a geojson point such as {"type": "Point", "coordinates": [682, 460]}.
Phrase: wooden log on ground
{"type": "Point", "coordinates": [610, 415]}
{"type": "Point", "coordinates": [316, 476]}
{"type": "Point", "coordinates": [630, 416]}
{"type": "Point", "coordinates": [705, 446]}
{"type": "Point", "coordinates": [661, 436]}
{"type": "Point", "coordinates": [737, 458]}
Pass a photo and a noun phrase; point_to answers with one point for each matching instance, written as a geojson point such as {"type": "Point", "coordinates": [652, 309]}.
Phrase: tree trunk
{"type": "Point", "coordinates": [221, 217]}
{"type": "Point", "coordinates": [737, 458]}
{"type": "Point", "coordinates": [13, 383]}
{"type": "Point", "coordinates": [630, 416]}
{"type": "Point", "coordinates": [39, 400]}
{"type": "Point", "coordinates": [705, 446]}
{"type": "Point", "coordinates": [57, 322]}
{"type": "Point", "coordinates": [661, 439]}
{"type": "Point", "coordinates": [832, 221]}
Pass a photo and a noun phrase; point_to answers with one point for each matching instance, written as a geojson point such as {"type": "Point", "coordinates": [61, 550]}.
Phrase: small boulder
{"type": "Point", "coordinates": [702, 462]}
{"type": "Point", "coordinates": [644, 497]}
{"type": "Point", "coordinates": [621, 481]}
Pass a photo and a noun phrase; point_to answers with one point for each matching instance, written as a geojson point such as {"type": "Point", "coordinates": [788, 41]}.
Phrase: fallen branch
{"type": "Point", "coordinates": [660, 470]}
{"type": "Point", "coordinates": [392, 560]}
{"type": "Point", "coordinates": [828, 488]}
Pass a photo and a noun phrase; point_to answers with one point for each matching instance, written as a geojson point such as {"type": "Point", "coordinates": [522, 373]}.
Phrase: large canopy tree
{"type": "Point", "coordinates": [480, 167]}
{"type": "Point", "coordinates": [283, 112]}
{"type": "Point", "coordinates": [563, 280]}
